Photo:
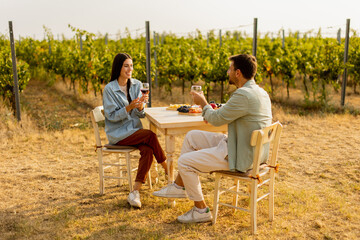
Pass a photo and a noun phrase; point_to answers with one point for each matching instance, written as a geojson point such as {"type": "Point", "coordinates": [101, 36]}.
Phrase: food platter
{"type": "Point", "coordinates": [186, 109]}
{"type": "Point", "coordinates": [174, 107]}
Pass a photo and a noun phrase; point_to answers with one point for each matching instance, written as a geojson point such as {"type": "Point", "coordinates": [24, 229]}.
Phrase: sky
{"type": "Point", "coordinates": [175, 16]}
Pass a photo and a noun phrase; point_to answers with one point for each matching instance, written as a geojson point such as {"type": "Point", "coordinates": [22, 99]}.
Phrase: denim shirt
{"type": "Point", "coordinates": [119, 124]}
{"type": "Point", "coordinates": [248, 109]}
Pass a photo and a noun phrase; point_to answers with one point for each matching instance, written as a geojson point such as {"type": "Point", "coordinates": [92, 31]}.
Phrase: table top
{"type": "Point", "coordinates": [171, 122]}
{"type": "Point", "coordinates": [163, 118]}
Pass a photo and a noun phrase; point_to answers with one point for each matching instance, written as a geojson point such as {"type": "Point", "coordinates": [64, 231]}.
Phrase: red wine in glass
{"type": "Point", "coordinates": [144, 91]}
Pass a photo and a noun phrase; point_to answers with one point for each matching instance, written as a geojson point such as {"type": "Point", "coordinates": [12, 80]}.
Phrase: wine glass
{"type": "Point", "coordinates": [196, 88]}
{"type": "Point", "coordinates": [145, 89]}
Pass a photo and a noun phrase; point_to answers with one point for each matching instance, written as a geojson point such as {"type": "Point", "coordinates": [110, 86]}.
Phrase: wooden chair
{"type": "Point", "coordinates": [254, 176]}
{"type": "Point", "coordinates": [123, 152]}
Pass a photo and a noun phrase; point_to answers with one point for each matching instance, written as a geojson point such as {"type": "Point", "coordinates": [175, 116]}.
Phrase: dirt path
{"type": "Point", "coordinates": [54, 108]}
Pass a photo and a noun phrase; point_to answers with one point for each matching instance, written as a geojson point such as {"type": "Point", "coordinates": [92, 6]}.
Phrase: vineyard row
{"type": "Point", "coordinates": [318, 61]}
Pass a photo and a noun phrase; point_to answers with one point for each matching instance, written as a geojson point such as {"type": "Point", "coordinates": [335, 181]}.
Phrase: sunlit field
{"type": "Point", "coordinates": [50, 183]}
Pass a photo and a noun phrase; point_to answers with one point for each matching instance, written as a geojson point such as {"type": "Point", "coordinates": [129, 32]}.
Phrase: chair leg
{"type": "Point", "coordinates": [128, 167]}
{"type": "Point", "coordinates": [149, 178]}
{"type": "Point", "coordinates": [253, 204]}
{"type": "Point", "coordinates": [271, 196]}
{"type": "Point", "coordinates": [157, 174]}
{"type": "Point", "coordinates": [153, 174]}
{"type": "Point", "coordinates": [101, 172]}
{"type": "Point", "coordinates": [120, 173]}
{"type": "Point", "coordinates": [216, 197]}
{"type": "Point", "coordinates": [236, 196]}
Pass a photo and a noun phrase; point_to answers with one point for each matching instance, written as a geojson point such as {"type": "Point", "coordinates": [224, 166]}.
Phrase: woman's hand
{"type": "Point", "coordinates": [141, 105]}
{"type": "Point", "coordinates": [136, 103]}
{"type": "Point", "coordinates": [144, 98]}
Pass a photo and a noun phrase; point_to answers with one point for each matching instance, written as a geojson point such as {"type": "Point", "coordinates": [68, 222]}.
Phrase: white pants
{"type": "Point", "coordinates": [202, 152]}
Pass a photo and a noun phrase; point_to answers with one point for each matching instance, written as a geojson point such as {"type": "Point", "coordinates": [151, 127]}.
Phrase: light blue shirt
{"type": "Point", "coordinates": [119, 124]}
{"type": "Point", "coordinates": [248, 109]}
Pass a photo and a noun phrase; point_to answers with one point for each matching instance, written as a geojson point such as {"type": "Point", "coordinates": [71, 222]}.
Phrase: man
{"type": "Point", "coordinates": [248, 109]}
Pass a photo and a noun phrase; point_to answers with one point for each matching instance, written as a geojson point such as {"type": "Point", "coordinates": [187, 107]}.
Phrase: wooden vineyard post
{"type": "Point", "coordinates": [220, 38]}
{"type": "Point", "coordinates": [343, 86]}
{"type": "Point", "coordinates": [81, 44]}
{"type": "Point", "coordinates": [16, 82]}
{"type": "Point", "coordinates": [254, 46]}
{"type": "Point", "coordinates": [207, 39]}
{"type": "Point", "coordinates": [148, 56]}
{"type": "Point", "coordinates": [49, 46]}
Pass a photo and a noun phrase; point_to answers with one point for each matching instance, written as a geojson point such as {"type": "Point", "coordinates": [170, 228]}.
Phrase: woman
{"type": "Point", "coordinates": [123, 106]}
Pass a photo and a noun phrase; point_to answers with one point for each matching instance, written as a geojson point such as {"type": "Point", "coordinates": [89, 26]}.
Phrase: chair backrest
{"type": "Point", "coordinates": [271, 135]}
{"type": "Point", "coordinates": [96, 116]}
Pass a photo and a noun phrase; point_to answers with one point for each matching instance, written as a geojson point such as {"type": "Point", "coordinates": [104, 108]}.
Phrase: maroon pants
{"type": "Point", "coordinates": [148, 144]}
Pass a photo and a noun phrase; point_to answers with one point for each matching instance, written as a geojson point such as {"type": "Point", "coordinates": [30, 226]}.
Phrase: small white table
{"type": "Point", "coordinates": [171, 124]}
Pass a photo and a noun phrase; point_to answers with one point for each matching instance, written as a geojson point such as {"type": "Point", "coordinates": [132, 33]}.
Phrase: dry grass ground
{"type": "Point", "coordinates": [49, 179]}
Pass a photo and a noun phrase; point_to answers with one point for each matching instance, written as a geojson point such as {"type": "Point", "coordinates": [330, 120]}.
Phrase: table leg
{"type": "Point", "coordinates": [170, 149]}
{"type": "Point", "coordinates": [154, 167]}
{"type": "Point", "coordinates": [152, 127]}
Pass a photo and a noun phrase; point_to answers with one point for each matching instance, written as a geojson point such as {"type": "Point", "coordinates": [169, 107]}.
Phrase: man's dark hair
{"type": "Point", "coordinates": [246, 64]}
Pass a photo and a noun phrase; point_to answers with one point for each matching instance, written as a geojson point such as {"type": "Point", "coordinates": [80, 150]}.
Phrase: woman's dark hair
{"type": "Point", "coordinates": [246, 63]}
{"type": "Point", "coordinates": [118, 62]}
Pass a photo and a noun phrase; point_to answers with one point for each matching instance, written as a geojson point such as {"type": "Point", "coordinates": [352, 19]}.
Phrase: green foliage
{"type": "Point", "coordinates": [318, 61]}
{"type": "Point", "coordinates": [354, 59]}
{"type": "Point", "coordinates": [6, 72]}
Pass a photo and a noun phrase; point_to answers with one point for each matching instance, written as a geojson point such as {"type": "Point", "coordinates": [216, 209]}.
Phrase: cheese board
{"type": "Point", "coordinates": [174, 107]}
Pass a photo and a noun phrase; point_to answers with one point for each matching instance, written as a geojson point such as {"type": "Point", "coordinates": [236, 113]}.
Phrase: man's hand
{"type": "Point", "coordinates": [199, 98]}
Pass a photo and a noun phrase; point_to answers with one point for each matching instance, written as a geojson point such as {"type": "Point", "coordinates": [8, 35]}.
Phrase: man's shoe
{"type": "Point", "coordinates": [170, 191]}
{"type": "Point", "coordinates": [134, 199]}
{"type": "Point", "coordinates": [193, 216]}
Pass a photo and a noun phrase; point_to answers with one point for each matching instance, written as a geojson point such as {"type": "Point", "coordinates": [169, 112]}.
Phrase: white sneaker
{"type": "Point", "coordinates": [193, 216]}
{"type": "Point", "coordinates": [134, 199]}
{"type": "Point", "coordinates": [170, 191]}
